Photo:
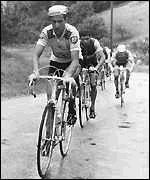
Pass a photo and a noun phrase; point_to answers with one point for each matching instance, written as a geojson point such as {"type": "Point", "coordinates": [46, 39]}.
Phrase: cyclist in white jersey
{"type": "Point", "coordinates": [63, 40]}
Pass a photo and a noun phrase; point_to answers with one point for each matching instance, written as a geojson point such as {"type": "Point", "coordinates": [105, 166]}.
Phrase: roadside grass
{"type": "Point", "coordinates": [15, 69]}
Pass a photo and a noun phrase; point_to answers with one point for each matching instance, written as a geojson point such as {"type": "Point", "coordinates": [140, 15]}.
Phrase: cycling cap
{"type": "Point", "coordinates": [57, 10]}
{"type": "Point", "coordinates": [121, 48]}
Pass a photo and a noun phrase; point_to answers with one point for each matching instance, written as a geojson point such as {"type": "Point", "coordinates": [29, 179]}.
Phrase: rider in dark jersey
{"type": "Point", "coordinates": [93, 58]}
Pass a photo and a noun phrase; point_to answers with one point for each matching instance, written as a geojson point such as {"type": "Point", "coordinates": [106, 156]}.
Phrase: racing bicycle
{"type": "Point", "coordinates": [54, 128]}
{"type": "Point", "coordinates": [84, 95]}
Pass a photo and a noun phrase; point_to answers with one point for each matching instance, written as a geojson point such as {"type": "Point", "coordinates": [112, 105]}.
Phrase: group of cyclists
{"type": "Point", "coordinates": [72, 50]}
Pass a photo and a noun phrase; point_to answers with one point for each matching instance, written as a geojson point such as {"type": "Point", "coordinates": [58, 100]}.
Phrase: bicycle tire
{"type": "Point", "coordinates": [82, 108]}
{"type": "Point", "coordinates": [87, 101]}
{"type": "Point", "coordinates": [121, 95]}
{"type": "Point", "coordinates": [50, 145]}
{"type": "Point", "coordinates": [66, 130]}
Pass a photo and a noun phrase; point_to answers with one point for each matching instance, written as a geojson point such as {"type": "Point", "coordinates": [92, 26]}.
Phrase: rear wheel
{"type": "Point", "coordinates": [45, 141]}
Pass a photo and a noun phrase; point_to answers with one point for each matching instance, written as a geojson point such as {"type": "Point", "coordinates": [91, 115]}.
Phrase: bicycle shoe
{"type": "Point", "coordinates": [117, 95]}
{"type": "Point", "coordinates": [71, 119]}
{"type": "Point", "coordinates": [92, 114]}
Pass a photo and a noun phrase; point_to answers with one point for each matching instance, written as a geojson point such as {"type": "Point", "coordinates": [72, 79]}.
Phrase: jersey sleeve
{"type": "Point", "coordinates": [130, 56]}
{"type": "Point", "coordinates": [113, 58]}
{"type": "Point", "coordinates": [74, 41]}
{"type": "Point", "coordinates": [97, 46]}
{"type": "Point", "coordinates": [43, 38]}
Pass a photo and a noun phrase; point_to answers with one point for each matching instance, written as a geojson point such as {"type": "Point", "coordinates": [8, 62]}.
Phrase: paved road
{"type": "Point", "coordinates": [114, 145]}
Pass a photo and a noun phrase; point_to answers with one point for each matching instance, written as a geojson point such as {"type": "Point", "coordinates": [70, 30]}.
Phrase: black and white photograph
{"type": "Point", "coordinates": [74, 89]}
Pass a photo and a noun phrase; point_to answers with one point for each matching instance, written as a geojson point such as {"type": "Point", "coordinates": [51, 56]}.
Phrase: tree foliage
{"type": "Point", "coordinates": [23, 20]}
{"type": "Point", "coordinates": [95, 26]}
{"type": "Point", "coordinates": [79, 11]}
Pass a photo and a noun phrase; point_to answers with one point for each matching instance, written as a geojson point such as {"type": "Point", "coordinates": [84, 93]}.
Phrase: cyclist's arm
{"type": "Point", "coordinates": [100, 59]}
{"type": "Point", "coordinates": [36, 56]}
{"type": "Point", "coordinates": [99, 54]}
{"type": "Point", "coordinates": [75, 49]}
{"type": "Point", "coordinates": [69, 72]}
{"type": "Point", "coordinates": [131, 59]}
{"type": "Point", "coordinates": [39, 48]}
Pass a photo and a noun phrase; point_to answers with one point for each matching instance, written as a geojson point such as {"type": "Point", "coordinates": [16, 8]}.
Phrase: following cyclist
{"type": "Point", "coordinates": [122, 56]}
{"type": "Point", "coordinates": [63, 41]}
{"type": "Point", "coordinates": [108, 65]}
{"type": "Point", "coordinates": [93, 59]}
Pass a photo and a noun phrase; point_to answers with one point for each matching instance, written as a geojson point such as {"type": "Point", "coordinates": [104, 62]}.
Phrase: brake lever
{"type": "Point", "coordinates": [31, 91]}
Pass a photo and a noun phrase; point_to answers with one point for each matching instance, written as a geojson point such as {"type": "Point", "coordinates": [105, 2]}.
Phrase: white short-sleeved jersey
{"type": "Point", "coordinates": [61, 47]}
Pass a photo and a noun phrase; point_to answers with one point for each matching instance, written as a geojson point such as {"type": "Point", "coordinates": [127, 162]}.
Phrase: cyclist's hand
{"type": "Point", "coordinates": [92, 68]}
{"type": "Point", "coordinates": [69, 79]}
{"type": "Point", "coordinates": [34, 76]}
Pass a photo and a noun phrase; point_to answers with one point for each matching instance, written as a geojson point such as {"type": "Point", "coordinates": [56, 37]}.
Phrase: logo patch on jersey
{"type": "Point", "coordinates": [74, 39]}
{"type": "Point", "coordinates": [42, 35]}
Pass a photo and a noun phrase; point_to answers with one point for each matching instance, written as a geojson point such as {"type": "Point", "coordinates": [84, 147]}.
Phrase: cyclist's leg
{"type": "Point", "coordinates": [93, 81]}
{"type": "Point", "coordinates": [128, 71]}
{"type": "Point", "coordinates": [72, 117]}
{"type": "Point", "coordinates": [116, 75]}
{"type": "Point", "coordinates": [50, 115]}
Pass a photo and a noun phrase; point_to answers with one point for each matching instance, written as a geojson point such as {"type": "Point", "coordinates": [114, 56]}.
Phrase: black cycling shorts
{"type": "Point", "coordinates": [57, 66]}
{"type": "Point", "coordinates": [56, 69]}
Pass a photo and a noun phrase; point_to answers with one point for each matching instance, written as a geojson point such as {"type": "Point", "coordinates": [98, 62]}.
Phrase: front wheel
{"type": "Point", "coordinates": [45, 141]}
{"type": "Point", "coordinates": [87, 101]}
{"type": "Point", "coordinates": [66, 130]}
{"type": "Point", "coordinates": [83, 105]}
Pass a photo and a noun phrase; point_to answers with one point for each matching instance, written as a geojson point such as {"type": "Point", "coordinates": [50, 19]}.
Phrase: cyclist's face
{"type": "Point", "coordinates": [58, 22]}
{"type": "Point", "coordinates": [85, 38]}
